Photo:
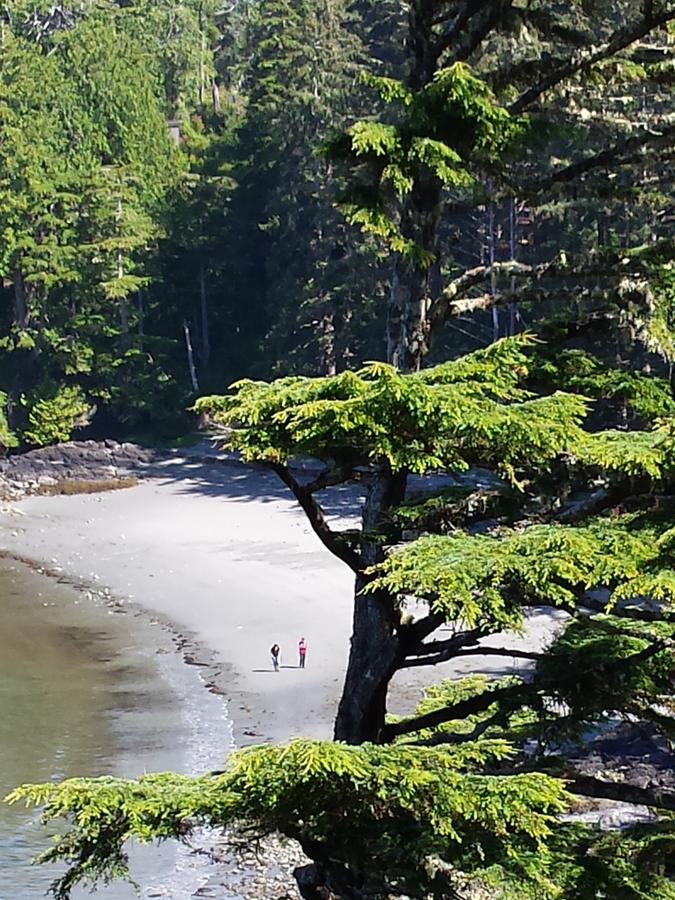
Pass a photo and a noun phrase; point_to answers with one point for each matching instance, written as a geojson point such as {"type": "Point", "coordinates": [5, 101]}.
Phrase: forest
{"type": "Point", "coordinates": [419, 237]}
{"type": "Point", "coordinates": [178, 208]}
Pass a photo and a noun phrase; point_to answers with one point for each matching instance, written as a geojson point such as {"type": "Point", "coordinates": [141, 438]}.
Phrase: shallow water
{"type": "Point", "coordinates": [88, 691]}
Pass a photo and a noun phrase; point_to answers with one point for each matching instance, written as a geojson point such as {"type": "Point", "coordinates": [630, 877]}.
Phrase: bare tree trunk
{"type": "Point", "coordinates": [215, 97]}
{"type": "Point", "coordinates": [191, 359]}
{"type": "Point", "coordinates": [329, 348]}
{"type": "Point", "coordinates": [514, 316]}
{"type": "Point", "coordinates": [493, 283]}
{"type": "Point", "coordinates": [203, 299]}
{"type": "Point", "coordinates": [124, 315]}
{"type": "Point", "coordinates": [374, 649]}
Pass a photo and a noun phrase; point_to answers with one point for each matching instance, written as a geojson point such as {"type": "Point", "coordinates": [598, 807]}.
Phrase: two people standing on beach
{"type": "Point", "coordinates": [275, 651]}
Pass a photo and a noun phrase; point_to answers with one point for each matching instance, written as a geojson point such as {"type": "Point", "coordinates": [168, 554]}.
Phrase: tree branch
{"type": "Point", "coordinates": [584, 59]}
{"type": "Point", "coordinates": [637, 613]}
{"type": "Point", "coordinates": [480, 729]}
{"type": "Point", "coordinates": [626, 151]}
{"type": "Point", "coordinates": [421, 629]}
{"type": "Point", "coordinates": [599, 500]}
{"type": "Point", "coordinates": [328, 478]}
{"type": "Point", "coordinates": [449, 303]}
{"type": "Point", "coordinates": [471, 27]}
{"type": "Point", "coordinates": [588, 786]}
{"type": "Point", "coordinates": [446, 655]}
{"type": "Point", "coordinates": [456, 641]}
{"type": "Point", "coordinates": [459, 710]}
{"type": "Point", "coordinates": [317, 520]}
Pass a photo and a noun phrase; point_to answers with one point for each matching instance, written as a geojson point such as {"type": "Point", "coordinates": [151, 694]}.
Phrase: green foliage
{"type": "Point", "coordinates": [646, 396]}
{"type": "Point", "coordinates": [441, 132]}
{"type": "Point", "coordinates": [406, 807]}
{"type": "Point", "coordinates": [53, 416]}
{"type": "Point", "coordinates": [452, 508]}
{"type": "Point", "coordinates": [633, 453]}
{"type": "Point", "coordinates": [482, 580]}
{"type": "Point", "coordinates": [447, 416]}
{"type": "Point", "coordinates": [7, 438]}
{"type": "Point", "coordinates": [580, 668]}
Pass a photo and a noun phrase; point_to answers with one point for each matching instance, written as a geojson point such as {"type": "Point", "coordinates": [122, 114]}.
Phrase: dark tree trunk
{"type": "Point", "coordinates": [325, 882]}
{"type": "Point", "coordinates": [21, 314]}
{"type": "Point", "coordinates": [204, 311]}
{"type": "Point", "coordinates": [374, 652]}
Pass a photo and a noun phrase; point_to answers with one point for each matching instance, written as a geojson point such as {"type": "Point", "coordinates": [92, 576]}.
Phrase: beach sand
{"type": "Point", "coordinates": [222, 552]}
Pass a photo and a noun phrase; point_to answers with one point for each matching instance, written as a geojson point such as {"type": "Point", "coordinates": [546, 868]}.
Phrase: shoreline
{"type": "Point", "coordinates": [219, 553]}
{"type": "Point", "coordinates": [54, 535]}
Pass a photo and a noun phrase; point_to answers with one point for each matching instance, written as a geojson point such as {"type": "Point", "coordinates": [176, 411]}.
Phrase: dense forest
{"type": "Point", "coordinates": [193, 193]}
{"type": "Point", "coordinates": [477, 196]}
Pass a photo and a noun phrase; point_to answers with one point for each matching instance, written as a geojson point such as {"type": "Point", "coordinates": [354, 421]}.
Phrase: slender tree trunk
{"type": "Point", "coordinates": [204, 308]}
{"type": "Point", "coordinates": [329, 348]}
{"type": "Point", "coordinates": [374, 649]}
{"type": "Point", "coordinates": [191, 359]}
{"type": "Point", "coordinates": [492, 257]}
{"type": "Point", "coordinates": [21, 313]}
{"type": "Point", "coordinates": [141, 315]}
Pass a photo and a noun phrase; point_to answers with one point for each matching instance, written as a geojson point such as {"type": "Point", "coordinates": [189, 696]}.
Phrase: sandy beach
{"type": "Point", "coordinates": [222, 553]}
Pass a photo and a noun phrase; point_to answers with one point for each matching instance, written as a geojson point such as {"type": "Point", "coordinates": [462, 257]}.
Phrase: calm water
{"type": "Point", "coordinates": [84, 690]}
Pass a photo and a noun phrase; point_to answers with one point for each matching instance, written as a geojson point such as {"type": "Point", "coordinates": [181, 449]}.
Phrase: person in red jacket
{"type": "Point", "coordinates": [302, 652]}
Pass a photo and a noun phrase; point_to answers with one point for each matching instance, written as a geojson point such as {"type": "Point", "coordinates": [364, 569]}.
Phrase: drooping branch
{"type": "Point", "coordinates": [596, 502]}
{"type": "Point", "coordinates": [637, 613]}
{"type": "Point", "coordinates": [327, 478]}
{"type": "Point", "coordinates": [478, 731]}
{"type": "Point", "coordinates": [459, 710]}
{"type": "Point", "coordinates": [316, 518]}
{"type": "Point", "coordinates": [421, 629]}
{"type": "Point", "coordinates": [584, 59]}
{"type": "Point", "coordinates": [628, 150]}
{"type": "Point", "coordinates": [456, 642]}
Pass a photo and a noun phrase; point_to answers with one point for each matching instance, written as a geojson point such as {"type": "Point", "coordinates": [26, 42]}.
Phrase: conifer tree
{"type": "Point", "coordinates": [465, 794]}
{"type": "Point", "coordinates": [499, 104]}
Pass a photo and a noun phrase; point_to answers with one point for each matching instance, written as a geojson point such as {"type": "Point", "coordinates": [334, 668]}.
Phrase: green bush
{"type": "Point", "coordinates": [7, 438]}
{"type": "Point", "coordinates": [52, 418]}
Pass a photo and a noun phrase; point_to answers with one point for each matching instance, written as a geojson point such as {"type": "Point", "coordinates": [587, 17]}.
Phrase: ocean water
{"type": "Point", "coordinates": [85, 690]}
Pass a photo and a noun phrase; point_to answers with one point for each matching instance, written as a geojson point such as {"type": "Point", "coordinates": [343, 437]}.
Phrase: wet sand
{"type": "Point", "coordinates": [87, 690]}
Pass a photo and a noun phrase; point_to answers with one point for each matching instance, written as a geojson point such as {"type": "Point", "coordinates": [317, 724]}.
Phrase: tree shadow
{"type": "Point", "coordinates": [221, 475]}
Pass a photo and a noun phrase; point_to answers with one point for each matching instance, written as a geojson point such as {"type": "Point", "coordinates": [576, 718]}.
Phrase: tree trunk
{"type": "Point", "coordinates": [374, 649]}
{"type": "Point", "coordinates": [204, 307]}
{"type": "Point", "coordinates": [413, 282]}
{"type": "Point", "coordinates": [21, 314]}
{"type": "Point", "coordinates": [329, 344]}
{"type": "Point", "coordinates": [191, 360]}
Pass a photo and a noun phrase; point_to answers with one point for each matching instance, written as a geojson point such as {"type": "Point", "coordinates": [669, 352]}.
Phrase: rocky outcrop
{"type": "Point", "coordinates": [38, 471]}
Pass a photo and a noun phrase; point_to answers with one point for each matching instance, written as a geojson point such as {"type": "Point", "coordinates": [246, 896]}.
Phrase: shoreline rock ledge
{"type": "Point", "coordinates": [37, 471]}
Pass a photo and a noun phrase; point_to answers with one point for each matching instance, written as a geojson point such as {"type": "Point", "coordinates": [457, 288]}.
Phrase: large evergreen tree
{"type": "Point", "coordinates": [465, 792]}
